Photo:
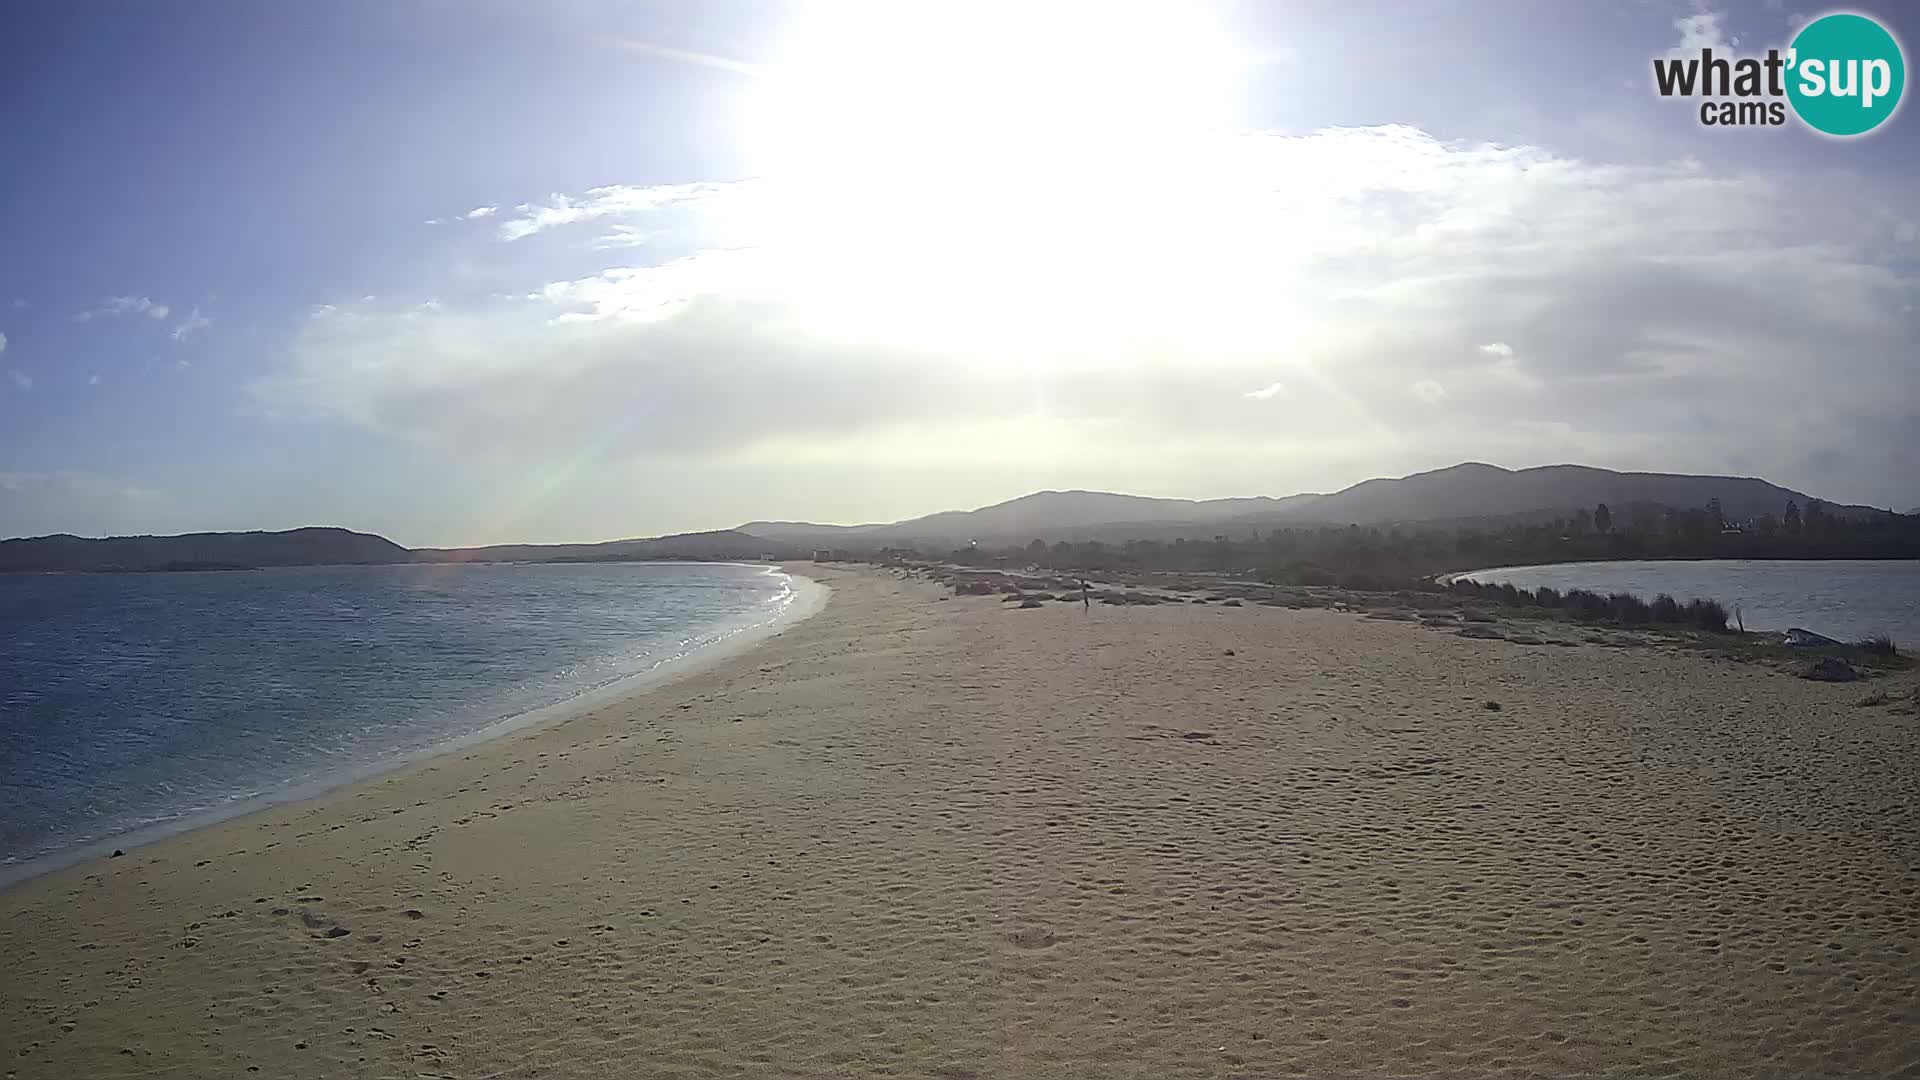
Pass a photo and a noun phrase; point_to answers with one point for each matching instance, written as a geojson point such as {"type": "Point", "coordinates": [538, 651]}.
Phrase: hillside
{"type": "Point", "coordinates": [1470, 491]}
{"type": "Point", "coordinates": [293, 547]}
{"type": "Point", "coordinates": [1470, 495]}
{"type": "Point", "coordinates": [722, 544]}
{"type": "Point", "coordinates": [1477, 490]}
{"type": "Point", "coordinates": [1051, 514]}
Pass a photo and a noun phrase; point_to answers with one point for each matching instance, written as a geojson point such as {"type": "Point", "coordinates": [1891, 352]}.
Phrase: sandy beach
{"type": "Point", "coordinates": [917, 835]}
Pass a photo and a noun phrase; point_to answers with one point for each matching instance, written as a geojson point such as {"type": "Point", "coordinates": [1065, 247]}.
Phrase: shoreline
{"type": "Point", "coordinates": [925, 835]}
{"type": "Point", "coordinates": [808, 598]}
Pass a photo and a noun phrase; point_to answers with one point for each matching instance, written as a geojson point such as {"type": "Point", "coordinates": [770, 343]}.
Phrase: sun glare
{"type": "Point", "coordinates": [912, 153]}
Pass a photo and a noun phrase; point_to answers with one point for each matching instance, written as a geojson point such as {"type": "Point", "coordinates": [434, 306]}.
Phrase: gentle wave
{"type": "Point", "coordinates": [132, 702]}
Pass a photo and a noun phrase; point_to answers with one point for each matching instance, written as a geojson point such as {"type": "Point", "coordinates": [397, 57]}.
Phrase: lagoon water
{"type": "Point", "coordinates": [128, 701]}
{"type": "Point", "coordinates": [1846, 599]}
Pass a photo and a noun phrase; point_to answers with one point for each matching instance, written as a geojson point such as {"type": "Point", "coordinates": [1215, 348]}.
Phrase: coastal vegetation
{"type": "Point", "coordinates": [1395, 556]}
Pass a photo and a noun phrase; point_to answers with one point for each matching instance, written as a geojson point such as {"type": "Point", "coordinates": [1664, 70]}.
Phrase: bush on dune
{"type": "Point", "coordinates": [1629, 609]}
{"type": "Point", "coordinates": [1621, 608]}
{"type": "Point", "coordinates": [1877, 645]}
{"type": "Point", "coordinates": [1587, 606]}
{"type": "Point", "coordinates": [1708, 615]}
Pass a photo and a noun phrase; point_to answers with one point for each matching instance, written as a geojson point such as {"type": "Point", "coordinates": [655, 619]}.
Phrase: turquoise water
{"type": "Point", "coordinates": [128, 701]}
{"type": "Point", "coordinates": [1846, 599]}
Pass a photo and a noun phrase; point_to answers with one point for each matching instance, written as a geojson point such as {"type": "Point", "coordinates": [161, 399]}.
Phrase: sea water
{"type": "Point", "coordinates": [130, 701]}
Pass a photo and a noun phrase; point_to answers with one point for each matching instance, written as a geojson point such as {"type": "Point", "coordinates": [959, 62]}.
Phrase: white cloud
{"type": "Point", "coordinates": [94, 379]}
{"type": "Point", "coordinates": [1119, 323]}
{"type": "Point", "coordinates": [126, 305]}
{"type": "Point", "coordinates": [20, 378]}
{"type": "Point", "coordinates": [611, 201]}
{"type": "Point", "coordinates": [192, 322]}
{"type": "Point", "coordinates": [3, 343]}
{"type": "Point", "coordinates": [622, 235]}
{"type": "Point", "coordinates": [479, 212]}
{"type": "Point", "coordinates": [1703, 30]}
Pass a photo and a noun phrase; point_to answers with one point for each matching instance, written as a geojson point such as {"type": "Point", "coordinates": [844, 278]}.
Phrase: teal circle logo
{"type": "Point", "coordinates": [1845, 74]}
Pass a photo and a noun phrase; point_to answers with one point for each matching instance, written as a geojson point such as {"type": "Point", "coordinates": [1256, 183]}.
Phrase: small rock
{"type": "Point", "coordinates": [116, 854]}
{"type": "Point", "coordinates": [1491, 706]}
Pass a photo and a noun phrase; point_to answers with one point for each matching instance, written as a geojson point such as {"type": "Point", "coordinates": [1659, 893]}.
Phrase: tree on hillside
{"type": "Point", "coordinates": [1816, 516]}
{"type": "Point", "coordinates": [1790, 520]}
{"type": "Point", "coordinates": [1714, 512]}
{"type": "Point", "coordinates": [1602, 519]}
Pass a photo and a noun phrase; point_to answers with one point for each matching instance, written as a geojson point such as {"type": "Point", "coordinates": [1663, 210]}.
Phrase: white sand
{"type": "Point", "coordinates": [918, 836]}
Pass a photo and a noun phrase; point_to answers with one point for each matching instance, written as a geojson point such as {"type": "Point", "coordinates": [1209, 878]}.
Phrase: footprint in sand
{"type": "Point", "coordinates": [1033, 937]}
{"type": "Point", "coordinates": [322, 926]}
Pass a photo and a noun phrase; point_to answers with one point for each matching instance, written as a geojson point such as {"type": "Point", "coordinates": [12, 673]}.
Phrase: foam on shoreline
{"type": "Point", "coordinates": [806, 598]}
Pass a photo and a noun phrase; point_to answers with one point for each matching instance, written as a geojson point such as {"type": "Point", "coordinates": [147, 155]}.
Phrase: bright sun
{"type": "Point", "coordinates": [987, 86]}
{"type": "Point", "coordinates": [1002, 149]}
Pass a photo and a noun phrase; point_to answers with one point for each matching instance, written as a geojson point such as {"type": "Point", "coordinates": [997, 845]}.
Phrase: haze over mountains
{"type": "Point", "coordinates": [1461, 493]}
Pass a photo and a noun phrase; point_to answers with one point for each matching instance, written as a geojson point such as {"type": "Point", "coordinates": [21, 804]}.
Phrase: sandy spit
{"type": "Point", "coordinates": [920, 836]}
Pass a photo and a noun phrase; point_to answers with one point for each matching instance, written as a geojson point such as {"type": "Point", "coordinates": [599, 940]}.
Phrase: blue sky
{"type": "Point", "coordinates": [463, 272]}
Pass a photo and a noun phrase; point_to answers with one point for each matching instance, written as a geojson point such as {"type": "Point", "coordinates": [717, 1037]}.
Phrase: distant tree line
{"type": "Point", "coordinates": [1390, 556]}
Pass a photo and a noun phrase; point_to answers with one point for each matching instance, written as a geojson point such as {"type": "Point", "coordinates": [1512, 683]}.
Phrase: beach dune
{"type": "Point", "coordinates": [917, 835]}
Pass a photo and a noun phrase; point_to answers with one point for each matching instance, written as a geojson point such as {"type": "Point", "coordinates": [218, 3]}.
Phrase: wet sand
{"type": "Point", "coordinates": [920, 836]}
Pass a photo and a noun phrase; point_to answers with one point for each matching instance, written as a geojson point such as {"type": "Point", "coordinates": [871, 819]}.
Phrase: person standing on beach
{"type": "Point", "coordinates": [1086, 597]}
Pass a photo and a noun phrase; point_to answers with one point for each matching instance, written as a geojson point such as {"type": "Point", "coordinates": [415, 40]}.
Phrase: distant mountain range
{"type": "Point", "coordinates": [200, 551]}
{"type": "Point", "coordinates": [1461, 493]}
{"type": "Point", "coordinates": [723, 544]}
{"type": "Point", "coordinates": [340, 547]}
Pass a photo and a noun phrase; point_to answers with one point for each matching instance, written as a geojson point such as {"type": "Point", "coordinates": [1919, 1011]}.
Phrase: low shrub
{"type": "Point", "coordinates": [1877, 645]}
{"type": "Point", "coordinates": [1587, 606]}
{"type": "Point", "coordinates": [1708, 615]}
{"type": "Point", "coordinates": [1629, 610]}
{"type": "Point", "coordinates": [1668, 610]}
